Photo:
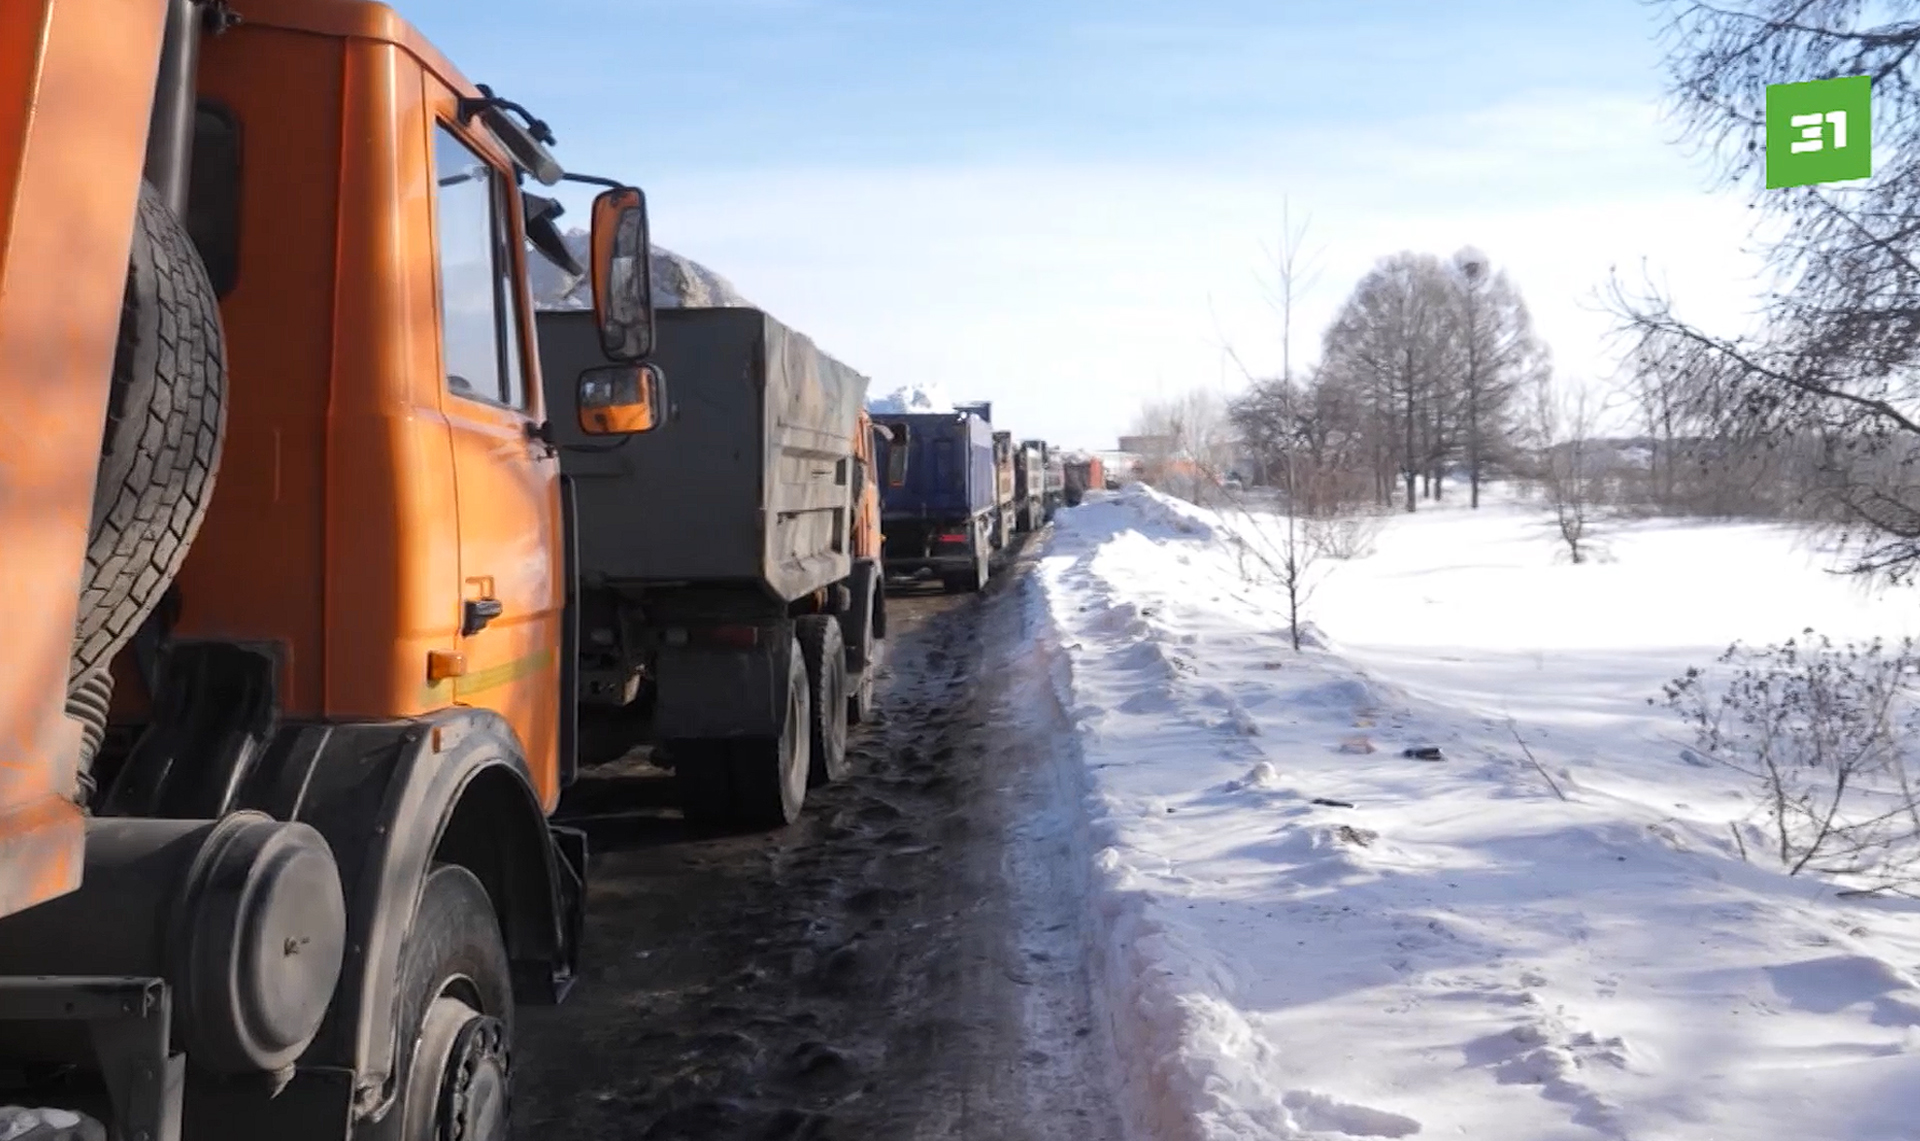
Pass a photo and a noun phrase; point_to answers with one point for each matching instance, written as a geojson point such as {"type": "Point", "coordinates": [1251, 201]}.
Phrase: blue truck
{"type": "Point", "coordinates": [938, 514]}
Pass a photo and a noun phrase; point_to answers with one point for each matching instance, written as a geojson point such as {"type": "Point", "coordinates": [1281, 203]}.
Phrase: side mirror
{"type": "Point", "coordinates": [622, 275]}
{"type": "Point", "coordinates": [619, 400]}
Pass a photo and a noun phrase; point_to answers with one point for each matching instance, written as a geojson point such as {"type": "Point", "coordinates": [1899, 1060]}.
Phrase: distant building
{"type": "Point", "coordinates": [1146, 445]}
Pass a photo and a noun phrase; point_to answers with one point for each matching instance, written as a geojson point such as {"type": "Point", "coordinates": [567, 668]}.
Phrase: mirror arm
{"type": "Point", "coordinates": [593, 180]}
{"type": "Point", "coordinates": [468, 108]}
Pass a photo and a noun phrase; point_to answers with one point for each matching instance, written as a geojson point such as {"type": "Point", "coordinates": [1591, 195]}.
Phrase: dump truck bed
{"type": "Point", "coordinates": [746, 482]}
{"type": "Point", "coordinates": [950, 472]}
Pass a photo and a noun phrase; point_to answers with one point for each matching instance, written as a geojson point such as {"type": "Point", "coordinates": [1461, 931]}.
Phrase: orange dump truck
{"type": "Point", "coordinates": [284, 702]}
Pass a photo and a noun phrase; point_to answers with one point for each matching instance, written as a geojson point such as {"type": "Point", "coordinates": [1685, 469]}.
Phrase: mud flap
{"type": "Point", "coordinates": [710, 693]}
{"type": "Point", "coordinates": [860, 624]}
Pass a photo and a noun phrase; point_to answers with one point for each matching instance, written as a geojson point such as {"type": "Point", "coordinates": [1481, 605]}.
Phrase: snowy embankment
{"type": "Point", "coordinates": [1304, 933]}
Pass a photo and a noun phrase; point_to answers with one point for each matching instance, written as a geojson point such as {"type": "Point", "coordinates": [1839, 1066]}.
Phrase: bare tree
{"type": "Point", "coordinates": [1390, 342]}
{"type": "Point", "coordinates": [1295, 274]}
{"type": "Point", "coordinates": [1184, 443]}
{"type": "Point", "coordinates": [1834, 368]}
{"type": "Point", "coordinates": [1502, 356]}
{"type": "Point", "coordinates": [1277, 417]}
{"type": "Point", "coordinates": [1283, 550]}
{"type": "Point", "coordinates": [1569, 465]}
{"type": "Point", "coordinates": [1292, 557]}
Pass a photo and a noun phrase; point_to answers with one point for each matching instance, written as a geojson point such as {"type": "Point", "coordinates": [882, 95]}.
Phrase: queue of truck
{"type": "Point", "coordinates": [331, 563]}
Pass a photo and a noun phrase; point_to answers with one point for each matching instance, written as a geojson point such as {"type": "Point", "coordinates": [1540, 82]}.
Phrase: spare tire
{"type": "Point", "coordinates": [166, 416]}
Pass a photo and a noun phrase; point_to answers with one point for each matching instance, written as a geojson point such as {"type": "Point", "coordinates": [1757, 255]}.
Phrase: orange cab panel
{"type": "Point", "coordinates": [368, 509]}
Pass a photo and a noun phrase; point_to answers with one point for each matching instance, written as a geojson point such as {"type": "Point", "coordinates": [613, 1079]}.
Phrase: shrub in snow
{"type": "Point", "coordinates": [1825, 735]}
{"type": "Point", "coordinates": [1345, 537]}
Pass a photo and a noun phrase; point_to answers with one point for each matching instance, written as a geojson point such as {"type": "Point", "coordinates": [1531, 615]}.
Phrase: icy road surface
{"type": "Point", "coordinates": [908, 962]}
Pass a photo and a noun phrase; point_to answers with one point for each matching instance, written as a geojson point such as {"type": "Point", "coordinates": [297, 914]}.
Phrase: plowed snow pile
{"type": "Point", "coordinates": [1304, 933]}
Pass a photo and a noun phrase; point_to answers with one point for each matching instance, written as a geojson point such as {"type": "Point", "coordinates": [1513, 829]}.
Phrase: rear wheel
{"type": "Point", "coordinates": [826, 659]}
{"type": "Point", "coordinates": [456, 1010]}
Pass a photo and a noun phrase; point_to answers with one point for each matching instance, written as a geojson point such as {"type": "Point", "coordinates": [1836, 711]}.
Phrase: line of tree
{"type": "Point", "coordinates": [1421, 374]}
{"type": "Point", "coordinates": [1823, 403]}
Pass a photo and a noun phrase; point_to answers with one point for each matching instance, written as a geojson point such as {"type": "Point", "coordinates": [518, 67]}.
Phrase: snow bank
{"type": "Point", "coordinates": [1303, 932]}
{"type": "Point", "coordinates": [912, 399]}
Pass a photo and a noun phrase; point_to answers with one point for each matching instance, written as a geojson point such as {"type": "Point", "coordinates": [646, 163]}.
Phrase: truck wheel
{"type": "Point", "coordinates": [456, 1010]}
{"type": "Point", "coordinates": [752, 782]}
{"type": "Point", "coordinates": [826, 657]}
{"type": "Point", "coordinates": [166, 414]}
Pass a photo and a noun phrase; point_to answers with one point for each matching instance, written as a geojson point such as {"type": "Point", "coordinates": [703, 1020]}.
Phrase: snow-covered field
{"type": "Point", "coordinates": [1304, 933]}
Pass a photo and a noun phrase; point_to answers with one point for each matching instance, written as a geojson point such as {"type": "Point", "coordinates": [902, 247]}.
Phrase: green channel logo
{"type": "Point", "coordinates": [1819, 132]}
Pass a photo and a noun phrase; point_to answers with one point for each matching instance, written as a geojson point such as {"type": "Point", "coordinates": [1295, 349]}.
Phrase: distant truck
{"type": "Point", "coordinates": [937, 508]}
{"type": "Point", "coordinates": [1082, 474]}
{"type": "Point", "coordinates": [725, 612]}
{"type": "Point", "coordinates": [1002, 519]}
{"type": "Point", "coordinates": [1036, 489]}
{"type": "Point", "coordinates": [1004, 483]}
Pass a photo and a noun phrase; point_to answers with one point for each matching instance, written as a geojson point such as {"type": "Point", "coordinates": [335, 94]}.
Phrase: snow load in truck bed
{"type": "Point", "coordinates": [911, 399]}
{"type": "Point", "coordinates": [678, 282]}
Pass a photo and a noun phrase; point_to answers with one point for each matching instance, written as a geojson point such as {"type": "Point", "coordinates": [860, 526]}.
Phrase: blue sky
{"type": "Point", "coordinates": [1065, 206]}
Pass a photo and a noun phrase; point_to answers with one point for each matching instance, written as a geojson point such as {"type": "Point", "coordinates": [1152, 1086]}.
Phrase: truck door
{"type": "Point", "coordinates": [506, 482]}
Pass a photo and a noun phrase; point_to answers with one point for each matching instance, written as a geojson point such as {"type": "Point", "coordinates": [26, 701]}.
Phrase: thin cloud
{"type": "Point", "coordinates": [1063, 290]}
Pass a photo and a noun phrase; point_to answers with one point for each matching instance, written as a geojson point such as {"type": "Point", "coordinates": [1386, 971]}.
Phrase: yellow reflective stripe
{"type": "Point", "coordinates": [466, 685]}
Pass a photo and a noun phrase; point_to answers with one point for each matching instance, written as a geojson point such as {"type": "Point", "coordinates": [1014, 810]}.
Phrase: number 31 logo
{"type": "Point", "coordinates": [1819, 132]}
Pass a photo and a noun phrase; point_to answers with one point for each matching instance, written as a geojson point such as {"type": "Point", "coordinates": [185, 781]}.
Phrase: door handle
{"type": "Point", "coordinates": [477, 613]}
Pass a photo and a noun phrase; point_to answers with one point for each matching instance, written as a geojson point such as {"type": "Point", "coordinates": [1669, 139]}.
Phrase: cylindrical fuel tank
{"type": "Point", "coordinates": [243, 917]}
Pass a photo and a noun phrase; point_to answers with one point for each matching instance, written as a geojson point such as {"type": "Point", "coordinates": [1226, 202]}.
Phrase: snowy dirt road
{"type": "Point", "coordinates": [907, 962]}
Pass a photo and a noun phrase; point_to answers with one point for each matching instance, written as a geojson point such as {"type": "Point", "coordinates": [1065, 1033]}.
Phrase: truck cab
{"type": "Point", "coordinates": [314, 716]}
